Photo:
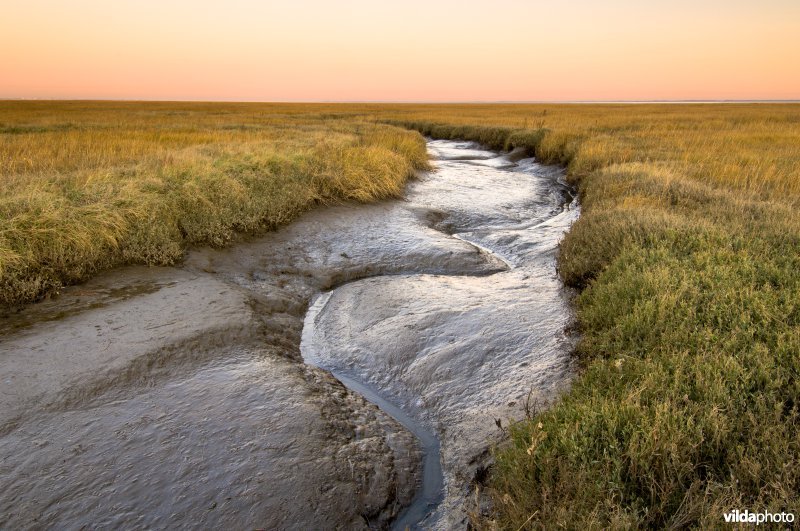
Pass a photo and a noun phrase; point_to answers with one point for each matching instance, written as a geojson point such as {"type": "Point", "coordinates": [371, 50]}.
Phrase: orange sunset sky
{"type": "Point", "coordinates": [412, 50]}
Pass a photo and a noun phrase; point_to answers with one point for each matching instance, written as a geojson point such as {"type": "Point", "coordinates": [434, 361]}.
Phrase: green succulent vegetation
{"type": "Point", "coordinates": [686, 255]}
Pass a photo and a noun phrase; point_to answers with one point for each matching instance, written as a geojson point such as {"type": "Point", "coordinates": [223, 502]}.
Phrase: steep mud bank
{"type": "Point", "coordinates": [178, 397]}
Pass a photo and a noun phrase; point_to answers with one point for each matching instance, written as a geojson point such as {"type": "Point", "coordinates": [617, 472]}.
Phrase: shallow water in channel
{"type": "Point", "coordinates": [214, 395]}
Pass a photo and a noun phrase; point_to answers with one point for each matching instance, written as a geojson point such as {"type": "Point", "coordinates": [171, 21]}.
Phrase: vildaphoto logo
{"type": "Point", "coordinates": [746, 517]}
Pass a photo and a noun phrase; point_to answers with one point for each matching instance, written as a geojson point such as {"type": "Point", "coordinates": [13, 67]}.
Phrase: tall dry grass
{"type": "Point", "coordinates": [88, 186]}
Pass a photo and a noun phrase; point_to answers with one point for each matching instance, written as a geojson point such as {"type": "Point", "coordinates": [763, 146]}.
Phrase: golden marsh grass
{"type": "Point", "coordinates": [687, 255]}
{"type": "Point", "coordinates": [87, 186]}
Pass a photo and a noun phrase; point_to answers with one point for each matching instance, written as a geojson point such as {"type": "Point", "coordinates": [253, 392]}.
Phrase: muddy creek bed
{"type": "Point", "coordinates": [344, 371]}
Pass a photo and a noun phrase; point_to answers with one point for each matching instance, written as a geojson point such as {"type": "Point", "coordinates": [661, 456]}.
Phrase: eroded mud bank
{"type": "Point", "coordinates": [178, 397]}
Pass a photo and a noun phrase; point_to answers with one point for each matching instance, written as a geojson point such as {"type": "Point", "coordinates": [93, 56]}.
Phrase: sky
{"type": "Point", "coordinates": [410, 50]}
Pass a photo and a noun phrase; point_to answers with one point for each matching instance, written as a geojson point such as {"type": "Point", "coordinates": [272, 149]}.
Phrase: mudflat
{"type": "Point", "coordinates": [179, 396]}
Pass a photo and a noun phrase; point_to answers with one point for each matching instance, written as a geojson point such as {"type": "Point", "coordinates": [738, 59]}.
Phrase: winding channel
{"type": "Point", "coordinates": [349, 370]}
{"type": "Point", "coordinates": [523, 210]}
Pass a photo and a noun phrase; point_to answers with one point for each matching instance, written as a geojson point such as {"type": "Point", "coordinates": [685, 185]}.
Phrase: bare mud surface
{"type": "Point", "coordinates": [179, 397]}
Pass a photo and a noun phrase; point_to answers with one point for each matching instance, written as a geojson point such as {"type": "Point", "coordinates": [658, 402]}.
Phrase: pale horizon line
{"type": "Point", "coordinates": [423, 102]}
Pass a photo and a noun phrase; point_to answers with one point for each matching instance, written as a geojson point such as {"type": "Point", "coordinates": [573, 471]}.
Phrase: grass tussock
{"type": "Point", "coordinates": [688, 257]}
{"type": "Point", "coordinates": [88, 186]}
